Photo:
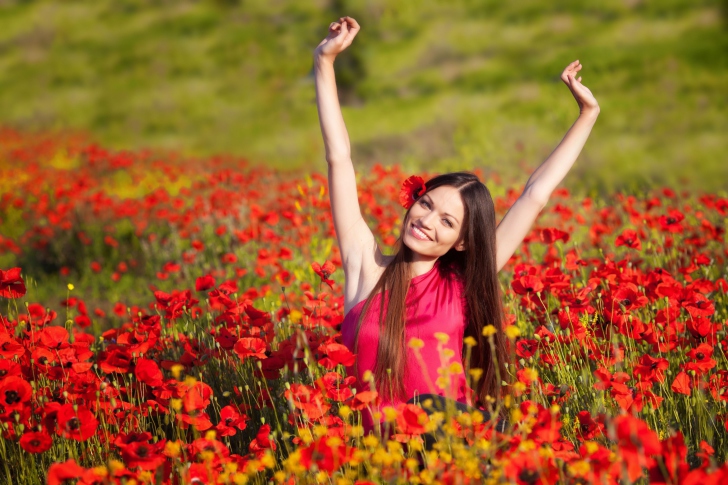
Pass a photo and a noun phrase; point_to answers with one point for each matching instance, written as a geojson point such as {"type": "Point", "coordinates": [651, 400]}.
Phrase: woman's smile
{"type": "Point", "coordinates": [417, 233]}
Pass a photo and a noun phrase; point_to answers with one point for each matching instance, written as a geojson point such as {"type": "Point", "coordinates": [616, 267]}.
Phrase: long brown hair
{"type": "Point", "coordinates": [476, 265]}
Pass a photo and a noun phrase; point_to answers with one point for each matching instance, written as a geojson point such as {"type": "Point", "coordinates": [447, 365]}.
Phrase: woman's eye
{"type": "Point", "coordinates": [448, 222]}
{"type": "Point", "coordinates": [424, 203]}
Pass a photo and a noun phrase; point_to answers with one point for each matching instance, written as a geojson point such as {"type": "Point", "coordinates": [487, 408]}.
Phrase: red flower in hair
{"type": "Point", "coordinates": [412, 189]}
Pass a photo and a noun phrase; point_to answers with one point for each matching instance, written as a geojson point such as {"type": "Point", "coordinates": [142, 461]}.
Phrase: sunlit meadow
{"type": "Point", "coordinates": [175, 320]}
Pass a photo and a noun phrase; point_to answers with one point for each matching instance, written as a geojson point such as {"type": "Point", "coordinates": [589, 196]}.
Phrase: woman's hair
{"type": "Point", "coordinates": [476, 266]}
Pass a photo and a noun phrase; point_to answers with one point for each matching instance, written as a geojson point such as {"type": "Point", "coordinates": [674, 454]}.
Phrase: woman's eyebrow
{"type": "Point", "coordinates": [444, 213]}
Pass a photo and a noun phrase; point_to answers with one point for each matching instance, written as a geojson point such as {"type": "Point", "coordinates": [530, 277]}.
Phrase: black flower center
{"type": "Point", "coordinates": [73, 424]}
{"type": "Point", "coordinates": [528, 476]}
{"type": "Point", "coordinates": [626, 302]}
{"type": "Point", "coordinates": [12, 397]}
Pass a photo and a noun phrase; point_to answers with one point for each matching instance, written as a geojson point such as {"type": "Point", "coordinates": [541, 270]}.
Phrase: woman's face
{"type": "Point", "coordinates": [434, 223]}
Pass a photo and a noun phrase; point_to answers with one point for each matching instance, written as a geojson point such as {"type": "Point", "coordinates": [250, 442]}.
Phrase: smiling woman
{"type": "Point", "coordinates": [439, 291]}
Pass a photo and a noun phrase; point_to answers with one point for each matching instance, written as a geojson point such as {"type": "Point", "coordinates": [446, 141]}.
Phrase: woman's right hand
{"type": "Point", "coordinates": [341, 34]}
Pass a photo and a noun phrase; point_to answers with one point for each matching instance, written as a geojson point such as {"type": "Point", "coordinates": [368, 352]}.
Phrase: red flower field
{"type": "Point", "coordinates": [165, 319]}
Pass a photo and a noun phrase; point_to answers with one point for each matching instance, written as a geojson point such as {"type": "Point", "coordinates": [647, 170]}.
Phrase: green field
{"type": "Point", "coordinates": [438, 84]}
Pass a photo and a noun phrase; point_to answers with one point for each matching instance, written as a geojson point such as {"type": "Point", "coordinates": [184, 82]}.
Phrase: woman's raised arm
{"type": "Point", "coordinates": [355, 238]}
{"type": "Point", "coordinates": [520, 217]}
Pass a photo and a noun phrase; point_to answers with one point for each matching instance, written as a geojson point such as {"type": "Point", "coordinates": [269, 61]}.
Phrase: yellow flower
{"type": "Point", "coordinates": [370, 441]}
{"type": "Point", "coordinates": [176, 404]}
{"type": "Point", "coordinates": [345, 411]}
{"type": "Point", "coordinates": [210, 435]}
{"type": "Point", "coordinates": [470, 341]}
{"type": "Point", "coordinates": [416, 343]}
{"type": "Point", "coordinates": [489, 330]}
{"type": "Point", "coordinates": [456, 368]}
{"type": "Point", "coordinates": [172, 448]}
{"type": "Point", "coordinates": [390, 414]}
{"type": "Point", "coordinates": [176, 369]}
{"type": "Point", "coordinates": [70, 287]}
{"type": "Point", "coordinates": [476, 373]}
{"type": "Point", "coordinates": [512, 332]}
{"type": "Point", "coordinates": [448, 353]}
{"type": "Point", "coordinates": [442, 337]}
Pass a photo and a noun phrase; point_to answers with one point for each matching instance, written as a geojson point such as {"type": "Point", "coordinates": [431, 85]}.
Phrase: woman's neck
{"type": "Point", "coordinates": [419, 266]}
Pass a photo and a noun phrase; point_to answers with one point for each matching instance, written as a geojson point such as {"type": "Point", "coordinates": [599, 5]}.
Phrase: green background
{"type": "Point", "coordinates": [433, 85]}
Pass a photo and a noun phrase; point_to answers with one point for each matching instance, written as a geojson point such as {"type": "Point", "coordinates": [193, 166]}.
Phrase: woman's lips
{"type": "Point", "coordinates": [417, 233]}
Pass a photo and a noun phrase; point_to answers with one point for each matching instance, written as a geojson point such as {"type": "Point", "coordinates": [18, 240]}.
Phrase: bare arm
{"type": "Point", "coordinates": [520, 217]}
{"type": "Point", "coordinates": [354, 236]}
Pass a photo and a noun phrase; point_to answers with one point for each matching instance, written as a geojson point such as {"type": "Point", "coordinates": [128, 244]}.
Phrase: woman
{"type": "Point", "coordinates": [440, 286]}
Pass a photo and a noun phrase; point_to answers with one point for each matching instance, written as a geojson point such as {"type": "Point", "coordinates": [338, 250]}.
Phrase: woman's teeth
{"type": "Point", "coordinates": [419, 234]}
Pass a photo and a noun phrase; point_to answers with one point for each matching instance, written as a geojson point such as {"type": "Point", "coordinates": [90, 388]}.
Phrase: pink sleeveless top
{"type": "Point", "coordinates": [435, 303]}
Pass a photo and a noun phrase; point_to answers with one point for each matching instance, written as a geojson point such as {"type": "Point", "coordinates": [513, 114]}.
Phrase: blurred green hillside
{"type": "Point", "coordinates": [439, 84]}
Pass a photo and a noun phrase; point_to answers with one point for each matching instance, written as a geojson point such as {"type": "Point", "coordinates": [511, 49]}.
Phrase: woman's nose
{"type": "Point", "coordinates": [426, 219]}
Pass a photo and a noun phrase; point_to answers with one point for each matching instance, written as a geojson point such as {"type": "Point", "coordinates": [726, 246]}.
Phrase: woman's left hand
{"type": "Point", "coordinates": [584, 97]}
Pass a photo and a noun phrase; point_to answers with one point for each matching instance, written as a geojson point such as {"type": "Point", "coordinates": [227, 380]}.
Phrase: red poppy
{"type": "Point", "coordinates": [197, 397]}
{"type": "Point", "coordinates": [363, 399]}
{"type": "Point", "coordinates": [78, 424]}
{"type": "Point", "coordinates": [336, 354]}
{"type": "Point", "coordinates": [308, 399]}
{"type": "Point", "coordinates": [147, 371]}
{"type": "Point", "coordinates": [36, 441]}
{"type": "Point", "coordinates": [412, 419]}
{"type": "Point", "coordinates": [147, 456]}
{"type": "Point", "coordinates": [551, 235]}
{"type": "Point", "coordinates": [262, 440]}
{"type": "Point", "coordinates": [250, 347]}
{"type": "Point", "coordinates": [701, 356]}
{"type": "Point", "coordinates": [230, 419]}
{"type": "Point", "coordinates": [9, 347]}
{"type": "Point", "coordinates": [59, 473]}
{"type": "Point", "coordinates": [629, 238]}
{"type": "Point", "coordinates": [412, 189]}
{"type": "Point", "coordinates": [204, 283]}
{"type": "Point", "coordinates": [327, 457]}
{"type": "Point", "coordinates": [682, 384]}
{"type": "Point", "coordinates": [11, 283]}
{"type": "Point", "coordinates": [589, 429]}
{"type": "Point", "coordinates": [637, 444]}
{"type": "Point", "coordinates": [14, 393]}
{"type": "Point", "coordinates": [527, 285]}
{"type": "Point", "coordinates": [324, 271]}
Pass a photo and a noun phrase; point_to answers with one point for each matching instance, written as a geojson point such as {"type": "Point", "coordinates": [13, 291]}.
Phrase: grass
{"type": "Point", "coordinates": [447, 86]}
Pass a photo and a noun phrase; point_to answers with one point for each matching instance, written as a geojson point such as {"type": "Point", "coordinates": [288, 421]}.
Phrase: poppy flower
{"type": "Point", "coordinates": [527, 285]}
{"type": "Point", "coordinates": [78, 424]}
{"type": "Point", "coordinates": [250, 347]}
{"type": "Point", "coordinates": [412, 189]}
{"type": "Point", "coordinates": [230, 419]}
{"type": "Point", "coordinates": [336, 354]}
{"type": "Point", "coordinates": [146, 456]}
{"type": "Point", "coordinates": [412, 419]}
{"type": "Point", "coordinates": [629, 238]}
{"type": "Point", "coordinates": [324, 271]}
{"type": "Point", "coordinates": [551, 235]}
{"type": "Point", "coordinates": [682, 384]}
{"type": "Point", "coordinates": [59, 473]}
{"type": "Point", "coordinates": [637, 444]}
{"type": "Point", "coordinates": [327, 454]}
{"type": "Point", "coordinates": [262, 440]}
{"type": "Point", "coordinates": [14, 393]}
{"type": "Point", "coordinates": [36, 441]}
{"type": "Point", "coordinates": [147, 371]}
{"type": "Point", "coordinates": [11, 283]}
{"type": "Point", "coordinates": [204, 283]}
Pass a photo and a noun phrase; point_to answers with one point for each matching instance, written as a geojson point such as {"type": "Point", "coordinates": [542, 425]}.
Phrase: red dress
{"type": "Point", "coordinates": [435, 303]}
